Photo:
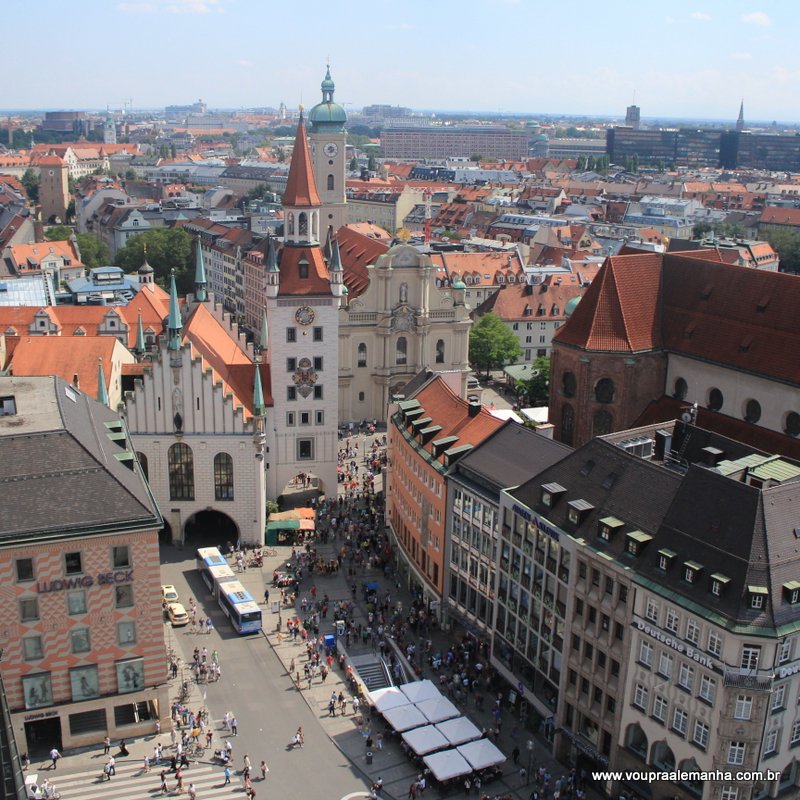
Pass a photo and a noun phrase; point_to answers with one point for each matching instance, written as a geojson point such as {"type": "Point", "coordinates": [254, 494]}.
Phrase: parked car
{"type": "Point", "coordinates": [177, 615]}
{"type": "Point", "coordinates": [169, 594]}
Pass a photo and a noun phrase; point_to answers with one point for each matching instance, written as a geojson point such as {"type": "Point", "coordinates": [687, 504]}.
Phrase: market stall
{"type": "Point", "coordinates": [481, 754]}
{"type": "Point", "coordinates": [459, 730]}
{"type": "Point", "coordinates": [437, 709]}
{"type": "Point", "coordinates": [425, 740]}
{"type": "Point", "coordinates": [385, 699]}
{"type": "Point", "coordinates": [403, 718]}
{"type": "Point", "coordinates": [447, 765]}
{"type": "Point", "coordinates": [417, 691]}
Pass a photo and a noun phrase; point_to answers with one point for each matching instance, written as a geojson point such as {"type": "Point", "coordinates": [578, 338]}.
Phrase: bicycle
{"type": "Point", "coordinates": [270, 552]}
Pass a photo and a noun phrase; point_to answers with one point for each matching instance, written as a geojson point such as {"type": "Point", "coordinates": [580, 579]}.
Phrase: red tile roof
{"type": "Point", "coordinates": [780, 216]}
{"type": "Point", "coordinates": [301, 191]}
{"type": "Point", "coordinates": [318, 280]}
{"type": "Point", "coordinates": [447, 409]}
{"type": "Point", "coordinates": [357, 251]}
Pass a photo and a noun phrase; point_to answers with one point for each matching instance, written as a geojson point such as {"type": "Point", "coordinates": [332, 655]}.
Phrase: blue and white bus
{"type": "Point", "coordinates": [210, 557]}
{"type": "Point", "coordinates": [213, 577]}
{"type": "Point", "coordinates": [239, 607]}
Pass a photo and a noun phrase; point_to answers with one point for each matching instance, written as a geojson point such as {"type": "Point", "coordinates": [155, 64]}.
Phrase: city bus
{"type": "Point", "coordinates": [216, 575]}
{"type": "Point", "coordinates": [239, 607]}
{"type": "Point", "coordinates": [210, 557]}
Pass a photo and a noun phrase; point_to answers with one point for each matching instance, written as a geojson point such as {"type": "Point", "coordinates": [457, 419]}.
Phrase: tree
{"type": "Point", "coordinates": [94, 251]}
{"type": "Point", "coordinates": [787, 245]}
{"type": "Point", "coordinates": [130, 174]}
{"type": "Point", "coordinates": [581, 165]}
{"type": "Point", "coordinates": [476, 157]}
{"type": "Point", "coordinates": [371, 164]}
{"type": "Point", "coordinates": [58, 233]}
{"type": "Point", "coordinates": [167, 249]}
{"type": "Point", "coordinates": [30, 180]}
{"type": "Point", "coordinates": [536, 389]}
{"type": "Point", "coordinates": [492, 343]}
{"type": "Point", "coordinates": [260, 191]}
{"type": "Point", "coordinates": [353, 164]}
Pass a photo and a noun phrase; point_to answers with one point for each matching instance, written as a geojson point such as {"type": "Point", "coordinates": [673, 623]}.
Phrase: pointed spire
{"type": "Point", "coordinates": [327, 250]}
{"type": "Point", "coordinates": [335, 262]}
{"type": "Point", "coordinates": [174, 324]}
{"type": "Point", "coordinates": [259, 406]}
{"type": "Point", "coordinates": [102, 391]}
{"type": "Point", "coordinates": [740, 120]}
{"type": "Point", "coordinates": [272, 256]}
{"type": "Point", "coordinates": [145, 269]}
{"type": "Point", "coordinates": [301, 190]}
{"type": "Point", "coordinates": [263, 340]}
{"type": "Point", "coordinates": [140, 346]}
{"type": "Point", "coordinates": [200, 281]}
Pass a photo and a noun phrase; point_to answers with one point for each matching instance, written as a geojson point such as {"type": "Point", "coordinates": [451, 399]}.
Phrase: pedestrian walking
{"type": "Point", "coordinates": [106, 745]}
{"type": "Point", "coordinates": [164, 787]}
{"type": "Point", "coordinates": [54, 755]}
{"type": "Point", "coordinates": [147, 763]}
{"type": "Point", "coordinates": [515, 754]}
{"type": "Point", "coordinates": [264, 770]}
{"type": "Point", "coordinates": [227, 774]}
{"type": "Point", "coordinates": [179, 779]}
{"type": "Point", "coordinates": [246, 769]}
{"type": "Point", "coordinates": [355, 703]}
{"type": "Point", "coordinates": [112, 766]}
{"type": "Point", "coordinates": [234, 726]}
{"type": "Point", "coordinates": [192, 792]}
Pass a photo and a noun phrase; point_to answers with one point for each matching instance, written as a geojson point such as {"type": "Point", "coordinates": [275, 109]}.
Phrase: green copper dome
{"type": "Point", "coordinates": [459, 285]}
{"type": "Point", "coordinates": [570, 306]}
{"type": "Point", "coordinates": [327, 115]}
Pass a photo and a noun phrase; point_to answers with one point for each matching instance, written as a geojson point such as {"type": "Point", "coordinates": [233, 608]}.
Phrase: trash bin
{"type": "Point", "coordinates": [369, 756]}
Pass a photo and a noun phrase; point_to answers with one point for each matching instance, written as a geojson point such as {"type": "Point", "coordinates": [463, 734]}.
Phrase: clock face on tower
{"type": "Point", "coordinates": [331, 149]}
{"type": "Point", "coordinates": [304, 315]}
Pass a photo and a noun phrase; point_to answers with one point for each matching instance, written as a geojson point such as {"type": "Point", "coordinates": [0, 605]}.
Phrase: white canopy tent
{"type": "Point", "coordinates": [417, 691]}
{"type": "Point", "coordinates": [437, 709]}
{"type": "Point", "coordinates": [481, 754]}
{"type": "Point", "coordinates": [459, 730]}
{"type": "Point", "coordinates": [390, 697]}
{"type": "Point", "coordinates": [403, 718]}
{"type": "Point", "coordinates": [447, 764]}
{"type": "Point", "coordinates": [425, 740]}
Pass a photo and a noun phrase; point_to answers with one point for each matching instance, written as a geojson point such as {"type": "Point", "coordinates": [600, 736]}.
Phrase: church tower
{"type": "Point", "coordinates": [109, 130]}
{"type": "Point", "coordinates": [302, 303]}
{"type": "Point", "coordinates": [328, 140]}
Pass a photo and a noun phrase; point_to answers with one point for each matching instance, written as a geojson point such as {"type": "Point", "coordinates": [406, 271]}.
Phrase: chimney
{"type": "Point", "coordinates": [76, 381]}
{"type": "Point", "coordinates": [663, 444]}
{"type": "Point", "coordinates": [474, 408]}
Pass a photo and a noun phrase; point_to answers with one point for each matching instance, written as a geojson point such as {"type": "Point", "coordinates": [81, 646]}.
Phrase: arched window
{"type": "Point", "coordinates": [567, 423]}
{"type": "Point", "coordinates": [403, 292]}
{"type": "Point", "coordinates": [143, 464]}
{"type": "Point", "coordinates": [330, 183]}
{"type": "Point", "coordinates": [752, 411]}
{"type": "Point", "coordinates": [290, 223]}
{"type": "Point", "coordinates": [791, 425]}
{"type": "Point", "coordinates": [569, 385]}
{"type": "Point", "coordinates": [440, 351]}
{"type": "Point", "coordinates": [601, 423]}
{"type": "Point", "coordinates": [715, 399]}
{"type": "Point", "coordinates": [223, 477]}
{"type": "Point", "coordinates": [302, 224]}
{"type": "Point", "coordinates": [401, 351]}
{"type": "Point", "coordinates": [681, 389]}
{"type": "Point", "coordinates": [180, 462]}
{"type": "Point", "coordinates": [663, 757]}
{"type": "Point", "coordinates": [636, 740]}
{"type": "Point", "coordinates": [362, 355]}
{"type": "Point", "coordinates": [604, 391]}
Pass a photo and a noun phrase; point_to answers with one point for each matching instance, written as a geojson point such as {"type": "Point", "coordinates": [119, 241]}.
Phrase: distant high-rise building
{"type": "Point", "coordinates": [740, 120]}
{"type": "Point", "coordinates": [632, 116]}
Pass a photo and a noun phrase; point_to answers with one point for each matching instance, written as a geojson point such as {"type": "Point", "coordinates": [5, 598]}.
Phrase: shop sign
{"type": "Point", "coordinates": [677, 645]}
{"type": "Point", "coordinates": [584, 747]}
{"type": "Point", "coordinates": [85, 581]}
{"type": "Point", "coordinates": [40, 715]}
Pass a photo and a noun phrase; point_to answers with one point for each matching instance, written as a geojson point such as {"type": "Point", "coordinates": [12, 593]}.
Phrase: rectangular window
{"type": "Point", "coordinates": [714, 643]}
{"type": "Point", "coordinates": [729, 793]}
{"type": "Point", "coordinates": [84, 683]}
{"type": "Point", "coordinates": [700, 734]}
{"type": "Point", "coordinates": [623, 594]}
{"type": "Point", "coordinates": [692, 631]}
{"type": "Point", "coordinates": [750, 656]}
{"type": "Point", "coordinates": [614, 668]}
{"type": "Point", "coordinates": [29, 609]}
{"type": "Point", "coordinates": [305, 449]}
{"type": "Point", "coordinates": [318, 363]}
{"type": "Point", "coordinates": [609, 585]}
{"type": "Point", "coordinates": [291, 334]}
{"type": "Point", "coordinates": [32, 648]}
{"type": "Point", "coordinates": [120, 557]}
{"type": "Point", "coordinates": [744, 707]}
{"type": "Point", "coordinates": [38, 690]}
{"type": "Point", "coordinates": [686, 677]}
{"type": "Point", "coordinates": [24, 569]}
{"type": "Point", "coordinates": [640, 697]}
{"type": "Point", "coordinates": [785, 652]}
{"type": "Point", "coordinates": [319, 417]}
{"type": "Point", "coordinates": [305, 417]}
{"type": "Point", "coordinates": [126, 632]}
{"type": "Point", "coordinates": [660, 708]}
{"type": "Point", "coordinates": [76, 602]}
{"type": "Point", "coordinates": [72, 563]}
{"type": "Point", "coordinates": [778, 697]}
{"type": "Point", "coordinates": [795, 733]}
{"type": "Point", "coordinates": [672, 620]}
{"type": "Point", "coordinates": [736, 751]}
{"type": "Point", "coordinates": [651, 612]}
{"type": "Point", "coordinates": [708, 689]}
{"type": "Point", "coordinates": [291, 364]}
{"type": "Point", "coordinates": [317, 334]}
{"type": "Point", "coordinates": [665, 665]}
{"type": "Point", "coordinates": [124, 596]}
{"type": "Point", "coordinates": [291, 393]}
{"type": "Point", "coordinates": [290, 419]}
{"type": "Point", "coordinates": [680, 721]}
{"type": "Point", "coordinates": [79, 640]}
{"type": "Point", "coordinates": [318, 393]}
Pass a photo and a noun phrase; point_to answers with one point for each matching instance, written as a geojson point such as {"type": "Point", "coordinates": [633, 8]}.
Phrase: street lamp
{"type": "Point", "coordinates": [529, 745]}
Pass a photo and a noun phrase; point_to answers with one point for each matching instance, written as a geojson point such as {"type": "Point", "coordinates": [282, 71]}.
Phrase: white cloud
{"type": "Point", "coordinates": [742, 56]}
{"type": "Point", "coordinates": [172, 7]}
{"type": "Point", "coordinates": [757, 18]}
{"type": "Point", "coordinates": [701, 16]}
{"type": "Point", "coordinates": [136, 8]}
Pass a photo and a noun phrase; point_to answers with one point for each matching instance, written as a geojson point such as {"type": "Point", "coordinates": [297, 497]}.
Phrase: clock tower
{"type": "Point", "coordinates": [328, 140]}
{"type": "Point", "coordinates": [302, 305]}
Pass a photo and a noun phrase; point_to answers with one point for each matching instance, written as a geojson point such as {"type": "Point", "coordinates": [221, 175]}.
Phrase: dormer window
{"type": "Point", "coordinates": [636, 541]}
{"type": "Point", "coordinates": [718, 584]}
{"type": "Point", "coordinates": [607, 527]}
{"type": "Point", "coordinates": [691, 571]}
{"type": "Point", "coordinates": [302, 268]}
{"type": "Point", "coordinates": [577, 511]}
{"type": "Point", "coordinates": [551, 492]}
{"type": "Point", "coordinates": [791, 591]}
{"type": "Point", "coordinates": [665, 557]}
{"type": "Point", "coordinates": [758, 596]}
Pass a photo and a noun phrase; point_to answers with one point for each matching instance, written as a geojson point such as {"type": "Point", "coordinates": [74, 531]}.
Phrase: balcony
{"type": "Point", "coordinates": [754, 679]}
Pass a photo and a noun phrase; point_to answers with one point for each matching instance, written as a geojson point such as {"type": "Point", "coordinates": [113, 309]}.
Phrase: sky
{"type": "Point", "coordinates": [679, 59]}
